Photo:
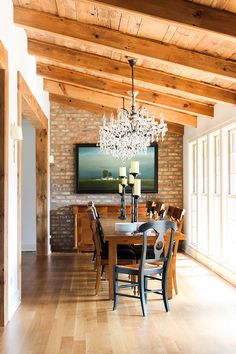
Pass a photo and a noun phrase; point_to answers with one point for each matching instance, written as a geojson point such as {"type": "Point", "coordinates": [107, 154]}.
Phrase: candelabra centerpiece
{"type": "Point", "coordinates": [122, 186]}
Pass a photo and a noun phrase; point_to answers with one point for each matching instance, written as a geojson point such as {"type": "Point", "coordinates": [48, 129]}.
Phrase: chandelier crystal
{"type": "Point", "coordinates": [133, 131]}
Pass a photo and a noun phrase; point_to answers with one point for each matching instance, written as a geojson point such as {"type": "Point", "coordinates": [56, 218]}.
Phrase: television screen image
{"type": "Point", "coordinates": [97, 172]}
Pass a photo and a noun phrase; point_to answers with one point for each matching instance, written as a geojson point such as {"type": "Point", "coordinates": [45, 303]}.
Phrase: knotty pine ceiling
{"type": "Point", "coordinates": [215, 43]}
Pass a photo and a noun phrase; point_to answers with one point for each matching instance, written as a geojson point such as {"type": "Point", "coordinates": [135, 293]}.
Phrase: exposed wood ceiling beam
{"type": "Point", "coordinates": [87, 106]}
{"type": "Point", "coordinates": [77, 58]}
{"type": "Point", "coordinates": [83, 94]}
{"type": "Point", "coordinates": [121, 89]}
{"type": "Point", "coordinates": [100, 110]}
{"type": "Point", "coordinates": [130, 45]}
{"type": "Point", "coordinates": [35, 114]}
{"type": "Point", "coordinates": [181, 12]}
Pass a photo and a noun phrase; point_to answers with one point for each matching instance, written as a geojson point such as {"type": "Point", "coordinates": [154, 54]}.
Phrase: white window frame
{"type": "Point", "coordinates": [222, 191]}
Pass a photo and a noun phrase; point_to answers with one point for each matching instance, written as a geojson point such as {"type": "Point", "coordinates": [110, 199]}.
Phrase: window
{"type": "Point", "coordinates": [232, 162]}
{"type": "Point", "coordinates": [212, 175]}
{"type": "Point", "coordinates": [217, 164]}
{"type": "Point", "coordinates": [194, 171]}
{"type": "Point", "coordinates": [204, 166]}
{"type": "Point", "coordinates": [193, 167]}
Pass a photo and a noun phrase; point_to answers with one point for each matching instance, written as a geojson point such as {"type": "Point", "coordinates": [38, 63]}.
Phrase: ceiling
{"type": "Point", "coordinates": [186, 53]}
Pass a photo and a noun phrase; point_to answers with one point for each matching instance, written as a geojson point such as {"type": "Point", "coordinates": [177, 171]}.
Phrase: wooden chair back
{"type": "Point", "coordinates": [91, 214]}
{"type": "Point", "coordinates": [159, 206]}
{"type": "Point", "coordinates": [92, 205]}
{"type": "Point", "coordinates": [154, 206]}
{"type": "Point", "coordinates": [96, 237]}
{"type": "Point", "coordinates": [177, 215]}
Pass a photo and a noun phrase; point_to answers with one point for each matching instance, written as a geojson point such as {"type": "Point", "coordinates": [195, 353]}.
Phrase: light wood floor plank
{"type": "Point", "coordinates": [60, 314]}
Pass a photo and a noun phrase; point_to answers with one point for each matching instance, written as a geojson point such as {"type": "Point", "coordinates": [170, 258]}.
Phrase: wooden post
{"type": "Point", "coordinates": [2, 190]}
{"type": "Point", "coordinates": [3, 184]}
{"type": "Point", "coordinates": [75, 212]}
{"type": "Point", "coordinates": [31, 110]}
{"type": "Point", "coordinates": [42, 193]}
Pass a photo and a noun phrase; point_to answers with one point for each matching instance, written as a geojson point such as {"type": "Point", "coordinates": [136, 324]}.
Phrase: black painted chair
{"type": "Point", "coordinates": [125, 253]}
{"type": "Point", "coordinates": [154, 268]}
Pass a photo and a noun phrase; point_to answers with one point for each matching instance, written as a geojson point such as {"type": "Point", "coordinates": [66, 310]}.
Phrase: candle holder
{"type": "Point", "coordinates": [132, 200]}
{"type": "Point", "coordinates": [135, 215]}
{"type": "Point", "coordinates": [122, 204]}
{"type": "Point", "coordinates": [134, 174]}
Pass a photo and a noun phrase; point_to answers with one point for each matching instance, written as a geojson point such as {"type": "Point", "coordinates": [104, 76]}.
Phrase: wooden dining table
{"type": "Point", "coordinates": [114, 238]}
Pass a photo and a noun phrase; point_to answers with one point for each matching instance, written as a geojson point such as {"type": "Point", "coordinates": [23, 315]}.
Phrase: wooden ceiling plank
{"type": "Point", "coordinates": [77, 58]}
{"type": "Point", "coordinates": [130, 45]}
{"type": "Point", "coordinates": [121, 89]}
{"type": "Point", "coordinates": [114, 102]}
{"type": "Point", "coordinates": [182, 13]}
{"type": "Point", "coordinates": [66, 8]}
{"type": "Point", "coordinates": [100, 110]}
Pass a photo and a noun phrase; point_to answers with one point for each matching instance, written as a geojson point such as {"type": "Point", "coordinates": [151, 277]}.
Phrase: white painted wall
{"type": "Point", "coordinates": [28, 188]}
{"type": "Point", "coordinates": [223, 113]}
{"type": "Point", "coordinates": [15, 41]}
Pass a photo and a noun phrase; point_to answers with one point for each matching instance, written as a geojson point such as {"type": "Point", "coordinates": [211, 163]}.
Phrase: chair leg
{"type": "Point", "coordinates": [145, 287]}
{"type": "Point", "coordinates": [164, 292]}
{"type": "Point", "coordinates": [98, 278]}
{"type": "Point", "coordinates": [174, 279]}
{"type": "Point", "coordinates": [142, 295]}
{"type": "Point", "coordinates": [115, 288]}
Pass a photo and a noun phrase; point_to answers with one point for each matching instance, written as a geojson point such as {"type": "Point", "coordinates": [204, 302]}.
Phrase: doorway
{"type": "Point", "coordinates": [28, 168]}
{"type": "Point", "coordinates": [36, 120]}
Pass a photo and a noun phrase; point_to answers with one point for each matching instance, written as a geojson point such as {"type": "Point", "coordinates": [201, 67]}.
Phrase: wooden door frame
{"type": "Point", "coordinates": [29, 108]}
{"type": "Point", "coordinates": [4, 153]}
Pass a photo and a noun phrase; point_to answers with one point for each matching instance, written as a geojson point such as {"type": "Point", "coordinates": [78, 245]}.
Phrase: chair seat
{"type": "Point", "coordinates": [149, 268]}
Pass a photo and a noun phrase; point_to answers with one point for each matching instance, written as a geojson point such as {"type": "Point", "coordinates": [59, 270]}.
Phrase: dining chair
{"type": "Point", "coordinates": [125, 253]}
{"type": "Point", "coordinates": [177, 215]}
{"type": "Point", "coordinates": [155, 268]}
{"type": "Point", "coordinates": [153, 207]}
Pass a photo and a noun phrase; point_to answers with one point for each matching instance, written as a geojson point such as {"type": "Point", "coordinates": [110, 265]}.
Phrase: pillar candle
{"type": "Point", "coordinates": [124, 181]}
{"type": "Point", "coordinates": [137, 187]}
{"type": "Point", "coordinates": [131, 179]}
{"type": "Point", "coordinates": [122, 171]}
{"type": "Point", "coordinates": [134, 167]}
{"type": "Point", "coordinates": [120, 189]}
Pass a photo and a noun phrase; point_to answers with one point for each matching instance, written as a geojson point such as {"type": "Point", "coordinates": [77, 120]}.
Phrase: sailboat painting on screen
{"type": "Point", "coordinates": [97, 172]}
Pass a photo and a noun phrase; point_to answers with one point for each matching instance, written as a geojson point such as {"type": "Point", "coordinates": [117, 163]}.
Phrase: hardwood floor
{"type": "Point", "coordinates": [60, 314]}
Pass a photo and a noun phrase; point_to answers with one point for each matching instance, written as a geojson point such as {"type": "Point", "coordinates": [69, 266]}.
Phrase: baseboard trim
{"type": "Point", "coordinates": [219, 269]}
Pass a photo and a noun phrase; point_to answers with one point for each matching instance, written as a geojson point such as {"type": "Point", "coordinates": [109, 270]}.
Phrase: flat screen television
{"type": "Point", "coordinates": [97, 172]}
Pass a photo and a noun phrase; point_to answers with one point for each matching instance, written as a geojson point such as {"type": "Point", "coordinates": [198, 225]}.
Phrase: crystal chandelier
{"type": "Point", "coordinates": [133, 131]}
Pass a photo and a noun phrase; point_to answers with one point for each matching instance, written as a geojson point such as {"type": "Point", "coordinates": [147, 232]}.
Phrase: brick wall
{"type": "Point", "coordinates": [70, 126]}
